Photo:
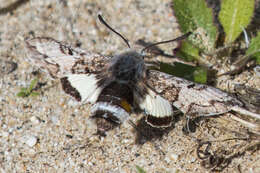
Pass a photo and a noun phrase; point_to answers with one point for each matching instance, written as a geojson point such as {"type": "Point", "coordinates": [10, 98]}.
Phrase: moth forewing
{"type": "Point", "coordinates": [196, 100]}
{"type": "Point", "coordinates": [60, 59]}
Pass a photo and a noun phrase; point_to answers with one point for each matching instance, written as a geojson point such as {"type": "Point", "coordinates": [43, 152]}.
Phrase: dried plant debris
{"type": "Point", "coordinates": [250, 97]}
{"type": "Point", "coordinates": [217, 158]}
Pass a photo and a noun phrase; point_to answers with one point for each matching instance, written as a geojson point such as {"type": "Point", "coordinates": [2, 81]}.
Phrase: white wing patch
{"type": "Point", "coordinates": [86, 85]}
{"type": "Point", "coordinates": [155, 105]}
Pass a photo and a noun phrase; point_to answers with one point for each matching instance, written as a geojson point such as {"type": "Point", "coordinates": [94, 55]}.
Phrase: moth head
{"type": "Point", "coordinates": [129, 66]}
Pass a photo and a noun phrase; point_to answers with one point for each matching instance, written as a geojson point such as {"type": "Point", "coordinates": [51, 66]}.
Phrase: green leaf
{"type": "Point", "coordinates": [33, 84]}
{"type": "Point", "coordinates": [25, 92]}
{"type": "Point", "coordinates": [139, 169]}
{"type": "Point", "coordinates": [34, 94]}
{"type": "Point", "coordinates": [188, 52]}
{"type": "Point", "coordinates": [254, 48]}
{"type": "Point", "coordinates": [22, 94]}
{"type": "Point", "coordinates": [234, 16]}
{"type": "Point", "coordinates": [196, 17]}
{"type": "Point", "coordinates": [200, 75]}
{"type": "Point", "coordinates": [197, 74]}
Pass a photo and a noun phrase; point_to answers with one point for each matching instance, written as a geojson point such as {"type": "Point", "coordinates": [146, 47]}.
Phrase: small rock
{"type": "Point", "coordinates": [30, 140]}
{"type": "Point", "coordinates": [171, 157]}
{"type": "Point", "coordinates": [55, 120]}
{"type": "Point", "coordinates": [35, 120]}
{"type": "Point", "coordinates": [72, 103]}
{"type": "Point", "coordinates": [4, 134]}
{"type": "Point", "coordinates": [257, 70]}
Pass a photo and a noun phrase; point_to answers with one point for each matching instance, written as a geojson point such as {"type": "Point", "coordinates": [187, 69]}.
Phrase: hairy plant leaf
{"type": "Point", "coordinates": [254, 48]}
{"type": "Point", "coordinates": [234, 16]}
{"type": "Point", "coordinates": [196, 17]}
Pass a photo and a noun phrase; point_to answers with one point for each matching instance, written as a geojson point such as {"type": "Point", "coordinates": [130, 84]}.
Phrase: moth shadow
{"type": "Point", "coordinates": [145, 132]}
{"type": "Point", "coordinates": [192, 125]}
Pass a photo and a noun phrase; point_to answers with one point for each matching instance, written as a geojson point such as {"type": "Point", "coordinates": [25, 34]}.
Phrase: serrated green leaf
{"type": "Point", "coordinates": [234, 16]}
{"type": "Point", "coordinates": [254, 47]}
{"type": "Point", "coordinates": [195, 16]}
{"type": "Point", "coordinates": [139, 169]}
{"type": "Point", "coordinates": [188, 52]}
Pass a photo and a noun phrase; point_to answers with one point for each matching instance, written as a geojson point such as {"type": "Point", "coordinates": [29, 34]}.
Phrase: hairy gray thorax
{"type": "Point", "coordinates": [128, 67]}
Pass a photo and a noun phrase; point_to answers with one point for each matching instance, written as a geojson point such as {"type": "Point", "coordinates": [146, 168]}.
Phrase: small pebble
{"type": "Point", "coordinates": [257, 70]}
{"type": "Point", "coordinates": [171, 157]}
{"type": "Point", "coordinates": [35, 120]}
{"type": "Point", "coordinates": [4, 134]}
{"type": "Point", "coordinates": [30, 140]}
{"type": "Point", "coordinates": [55, 120]}
{"type": "Point", "coordinates": [72, 103]}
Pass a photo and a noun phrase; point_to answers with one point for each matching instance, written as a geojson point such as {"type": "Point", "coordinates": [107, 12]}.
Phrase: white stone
{"type": "Point", "coordinates": [55, 120]}
{"type": "Point", "coordinates": [35, 120]}
{"type": "Point", "coordinates": [30, 140]}
{"type": "Point", "coordinates": [4, 134]}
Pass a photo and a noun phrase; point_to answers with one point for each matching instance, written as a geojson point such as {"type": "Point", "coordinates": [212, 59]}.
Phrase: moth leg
{"type": "Point", "coordinates": [254, 126]}
{"type": "Point", "coordinates": [191, 117]}
{"type": "Point", "coordinates": [188, 124]}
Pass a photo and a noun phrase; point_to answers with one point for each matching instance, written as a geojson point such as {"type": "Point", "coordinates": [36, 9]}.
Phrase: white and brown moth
{"type": "Point", "coordinates": [115, 86]}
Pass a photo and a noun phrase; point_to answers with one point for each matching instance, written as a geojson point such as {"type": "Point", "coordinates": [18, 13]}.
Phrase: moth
{"type": "Point", "coordinates": [117, 86]}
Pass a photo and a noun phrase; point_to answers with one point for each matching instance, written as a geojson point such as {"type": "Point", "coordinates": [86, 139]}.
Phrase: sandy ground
{"type": "Point", "coordinates": [52, 133]}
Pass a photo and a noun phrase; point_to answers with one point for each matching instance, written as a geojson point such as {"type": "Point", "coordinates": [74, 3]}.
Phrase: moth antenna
{"type": "Point", "coordinates": [167, 41]}
{"type": "Point", "coordinates": [103, 22]}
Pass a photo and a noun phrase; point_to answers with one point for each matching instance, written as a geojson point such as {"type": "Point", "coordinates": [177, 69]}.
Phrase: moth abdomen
{"type": "Point", "coordinates": [114, 103]}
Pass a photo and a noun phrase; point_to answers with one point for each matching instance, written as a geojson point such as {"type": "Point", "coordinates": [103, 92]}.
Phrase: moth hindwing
{"type": "Point", "coordinates": [115, 86]}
